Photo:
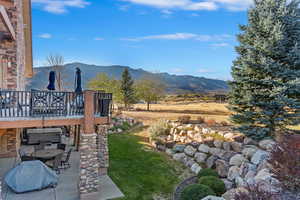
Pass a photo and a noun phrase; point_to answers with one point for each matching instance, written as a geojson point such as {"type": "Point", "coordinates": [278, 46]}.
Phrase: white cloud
{"type": "Point", "coordinates": [182, 36]}
{"type": "Point", "coordinates": [179, 4]}
{"type": "Point", "coordinates": [234, 5]}
{"type": "Point", "coordinates": [45, 36]}
{"type": "Point", "coordinates": [195, 5]}
{"type": "Point", "coordinates": [60, 6]}
{"type": "Point", "coordinates": [222, 44]}
{"type": "Point", "coordinates": [98, 38]}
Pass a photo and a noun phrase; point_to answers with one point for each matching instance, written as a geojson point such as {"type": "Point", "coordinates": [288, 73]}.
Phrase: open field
{"type": "Point", "coordinates": [172, 111]}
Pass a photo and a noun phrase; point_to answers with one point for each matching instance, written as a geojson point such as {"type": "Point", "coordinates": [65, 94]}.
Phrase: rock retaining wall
{"type": "Point", "coordinates": [238, 160]}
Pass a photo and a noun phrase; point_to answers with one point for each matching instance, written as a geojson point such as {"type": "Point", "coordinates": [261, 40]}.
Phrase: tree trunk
{"type": "Point", "coordinates": [148, 106]}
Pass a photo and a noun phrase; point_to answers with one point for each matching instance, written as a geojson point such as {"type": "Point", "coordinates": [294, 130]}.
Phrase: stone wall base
{"type": "Point", "coordinates": [89, 164]}
{"type": "Point", "coordinates": [103, 149]}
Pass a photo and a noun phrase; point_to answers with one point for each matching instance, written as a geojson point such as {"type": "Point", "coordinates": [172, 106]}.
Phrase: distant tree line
{"type": "Point", "coordinates": [127, 91]}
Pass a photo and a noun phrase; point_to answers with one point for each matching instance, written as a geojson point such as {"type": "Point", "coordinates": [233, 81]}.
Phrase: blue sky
{"type": "Point", "coordinates": [193, 37]}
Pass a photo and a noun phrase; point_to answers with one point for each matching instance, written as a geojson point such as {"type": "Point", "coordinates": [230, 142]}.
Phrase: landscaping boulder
{"type": "Point", "coordinates": [179, 157]}
{"type": "Point", "coordinates": [226, 155]}
{"type": "Point", "coordinates": [263, 175]}
{"type": "Point", "coordinates": [213, 198]}
{"type": "Point", "coordinates": [200, 157]}
{"type": "Point", "coordinates": [218, 144]}
{"type": "Point", "coordinates": [230, 194]}
{"type": "Point", "coordinates": [196, 168]}
{"type": "Point", "coordinates": [226, 146]}
{"type": "Point", "coordinates": [210, 162]}
{"type": "Point", "coordinates": [249, 152]}
{"type": "Point", "coordinates": [190, 151]}
{"type": "Point", "coordinates": [267, 144]}
{"type": "Point", "coordinates": [215, 151]}
{"type": "Point", "coordinates": [237, 160]}
{"type": "Point", "coordinates": [259, 156]}
{"type": "Point", "coordinates": [228, 135]}
{"type": "Point", "coordinates": [179, 148]}
{"type": "Point", "coordinates": [203, 148]}
{"type": "Point", "coordinates": [249, 141]}
{"type": "Point", "coordinates": [190, 162]}
{"type": "Point", "coordinates": [236, 146]}
{"type": "Point", "coordinates": [245, 167]}
{"type": "Point", "coordinates": [228, 184]}
{"type": "Point", "coordinates": [239, 182]}
{"type": "Point", "coordinates": [250, 175]}
{"type": "Point", "coordinates": [169, 152]}
{"type": "Point", "coordinates": [233, 172]}
{"type": "Point", "coordinates": [222, 168]}
{"type": "Point", "coordinates": [263, 165]}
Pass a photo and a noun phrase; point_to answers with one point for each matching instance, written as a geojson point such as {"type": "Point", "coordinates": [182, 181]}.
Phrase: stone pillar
{"type": "Point", "coordinates": [0, 190]}
{"type": "Point", "coordinates": [89, 164]}
{"type": "Point", "coordinates": [89, 160]}
{"type": "Point", "coordinates": [103, 154]}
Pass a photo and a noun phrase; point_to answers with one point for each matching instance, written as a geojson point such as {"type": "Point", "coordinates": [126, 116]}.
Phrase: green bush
{"type": "Point", "coordinates": [196, 192]}
{"type": "Point", "coordinates": [160, 128]}
{"type": "Point", "coordinates": [208, 172]}
{"type": "Point", "coordinates": [216, 184]}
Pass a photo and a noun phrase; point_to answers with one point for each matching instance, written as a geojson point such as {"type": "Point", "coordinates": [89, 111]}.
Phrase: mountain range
{"type": "Point", "coordinates": [175, 84]}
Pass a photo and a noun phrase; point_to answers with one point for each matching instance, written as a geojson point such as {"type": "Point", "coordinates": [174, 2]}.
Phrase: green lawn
{"type": "Point", "coordinates": [140, 172]}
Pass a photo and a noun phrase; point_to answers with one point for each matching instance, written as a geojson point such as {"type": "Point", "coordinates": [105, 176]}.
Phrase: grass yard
{"type": "Point", "coordinates": [140, 172]}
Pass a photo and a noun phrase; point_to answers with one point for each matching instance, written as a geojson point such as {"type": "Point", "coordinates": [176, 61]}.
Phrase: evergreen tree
{"type": "Point", "coordinates": [127, 89]}
{"type": "Point", "coordinates": [265, 88]}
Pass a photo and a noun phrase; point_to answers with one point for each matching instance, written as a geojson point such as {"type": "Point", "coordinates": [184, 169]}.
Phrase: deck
{"type": "Point", "coordinates": [24, 109]}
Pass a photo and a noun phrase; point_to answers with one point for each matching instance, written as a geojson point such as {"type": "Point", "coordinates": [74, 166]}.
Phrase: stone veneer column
{"type": "Point", "coordinates": [0, 190]}
{"type": "Point", "coordinates": [89, 164]}
{"type": "Point", "coordinates": [103, 149]}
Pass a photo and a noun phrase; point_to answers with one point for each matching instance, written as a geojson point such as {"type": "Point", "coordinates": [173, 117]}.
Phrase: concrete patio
{"type": "Point", "coordinates": [67, 188]}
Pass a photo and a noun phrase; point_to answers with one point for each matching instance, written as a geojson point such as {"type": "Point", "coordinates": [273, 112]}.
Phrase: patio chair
{"type": "Point", "coordinates": [65, 162]}
{"type": "Point", "coordinates": [56, 163]}
{"type": "Point", "coordinates": [61, 146]}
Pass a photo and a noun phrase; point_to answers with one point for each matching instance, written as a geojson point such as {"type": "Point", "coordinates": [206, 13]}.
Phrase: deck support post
{"type": "Point", "coordinates": [89, 161]}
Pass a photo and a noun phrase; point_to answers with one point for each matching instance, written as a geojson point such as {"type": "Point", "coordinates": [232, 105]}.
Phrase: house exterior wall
{"type": "Point", "coordinates": [13, 65]}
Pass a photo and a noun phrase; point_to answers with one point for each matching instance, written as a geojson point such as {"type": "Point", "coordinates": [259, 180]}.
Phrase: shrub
{"type": "Point", "coordinates": [252, 192]}
{"type": "Point", "coordinates": [208, 172]}
{"type": "Point", "coordinates": [285, 162]}
{"type": "Point", "coordinates": [200, 120]}
{"type": "Point", "coordinates": [184, 119]}
{"type": "Point", "coordinates": [215, 183]}
{"type": "Point", "coordinates": [196, 192]}
{"type": "Point", "coordinates": [125, 126]}
{"type": "Point", "coordinates": [160, 128]}
{"type": "Point", "coordinates": [211, 122]}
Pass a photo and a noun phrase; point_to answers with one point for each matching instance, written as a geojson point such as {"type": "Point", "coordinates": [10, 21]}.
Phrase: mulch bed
{"type": "Point", "coordinates": [179, 189]}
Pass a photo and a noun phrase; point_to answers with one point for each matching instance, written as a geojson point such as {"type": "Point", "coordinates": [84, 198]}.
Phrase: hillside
{"type": "Point", "coordinates": [174, 83]}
